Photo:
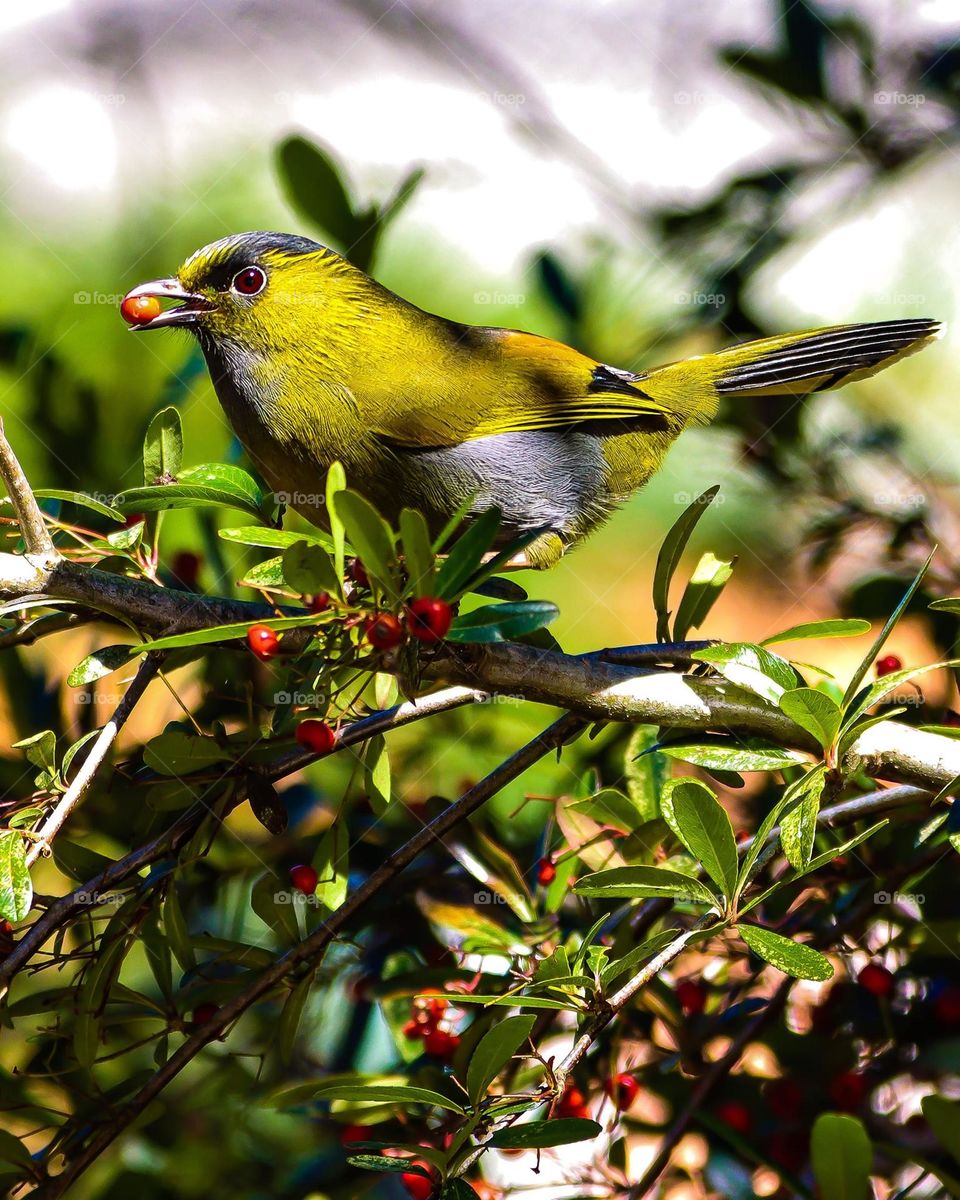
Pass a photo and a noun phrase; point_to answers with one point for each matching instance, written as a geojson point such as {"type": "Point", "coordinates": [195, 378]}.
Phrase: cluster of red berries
{"type": "Point", "coordinates": [426, 1023]}
{"type": "Point", "coordinates": [428, 619]}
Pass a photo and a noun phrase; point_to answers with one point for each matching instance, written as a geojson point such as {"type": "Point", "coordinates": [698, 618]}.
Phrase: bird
{"type": "Point", "coordinates": [315, 362]}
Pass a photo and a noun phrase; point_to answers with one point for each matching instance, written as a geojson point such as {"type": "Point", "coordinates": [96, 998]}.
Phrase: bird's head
{"type": "Point", "coordinates": [257, 290]}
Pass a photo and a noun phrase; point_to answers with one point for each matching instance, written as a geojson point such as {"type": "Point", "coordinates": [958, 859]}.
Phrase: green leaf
{"type": "Point", "coordinates": [83, 500]}
{"type": "Point", "coordinates": [312, 184]}
{"type": "Point", "coordinates": [860, 674]}
{"type": "Point", "coordinates": [40, 749]}
{"type": "Point", "coordinates": [802, 962]}
{"type": "Point", "coordinates": [943, 1117]}
{"type": "Point", "coordinates": [634, 882]}
{"type": "Point", "coordinates": [376, 773]}
{"type": "Point", "coordinates": [380, 1162]}
{"type": "Point", "coordinates": [466, 554]}
{"type": "Point", "coordinates": [541, 1134]}
{"type": "Point", "coordinates": [179, 753]}
{"type": "Point", "coordinates": [221, 633]}
{"type": "Point", "coordinates": [13, 1151]}
{"type": "Point", "coordinates": [701, 823]}
{"type": "Point", "coordinates": [798, 825]}
{"type": "Point", "coordinates": [708, 580]}
{"type": "Point", "coordinates": [639, 954]}
{"type": "Point", "coordinates": [210, 485]}
{"type": "Point", "coordinates": [502, 622]}
{"type": "Point", "coordinates": [841, 1157]}
{"type": "Point", "coordinates": [175, 927]}
{"type": "Point", "coordinates": [417, 552]}
{"type": "Point", "coordinates": [820, 629]}
{"type": "Point", "coordinates": [309, 569]}
{"type": "Point", "coordinates": [878, 691]}
{"type": "Point", "coordinates": [98, 664]}
{"type": "Point", "coordinates": [163, 448]}
{"type": "Point", "coordinates": [814, 711]}
{"type": "Point", "coordinates": [16, 888]}
{"type": "Point", "coordinates": [612, 808]}
{"type": "Point", "coordinates": [391, 209]}
{"type": "Point", "coordinates": [330, 860]}
{"type": "Point", "coordinates": [266, 574]}
{"type": "Point", "coordinates": [646, 771]}
{"type": "Point", "coordinates": [752, 668]}
{"type": "Point", "coordinates": [369, 534]}
{"type": "Point", "coordinates": [669, 558]}
{"type": "Point", "coordinates": [757, 757]}
{"type": "Point", "coordinates": [492, 1053]}
{"type": "Point", "coordinates": [378, 1093]}
{"type": "Point", "coordinates": [270, 538]}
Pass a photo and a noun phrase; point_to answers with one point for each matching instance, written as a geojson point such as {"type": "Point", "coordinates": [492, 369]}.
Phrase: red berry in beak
{"type": "Point", "coordinates": [140, 310]}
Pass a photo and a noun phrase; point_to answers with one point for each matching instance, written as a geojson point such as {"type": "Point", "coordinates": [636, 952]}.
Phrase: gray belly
{"type": "Point", "coordinates": [537, 479]}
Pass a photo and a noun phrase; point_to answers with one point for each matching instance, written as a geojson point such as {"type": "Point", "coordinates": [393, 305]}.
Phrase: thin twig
{"type": "Point", "coordinates": [93, 761]}
{"type": "Point", "coordinates": [33, 528]}
{"type": "Point", "coordinates": [311, 949]}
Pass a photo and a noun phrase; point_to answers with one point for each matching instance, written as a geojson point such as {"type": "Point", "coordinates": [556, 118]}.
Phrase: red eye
{"type": "Point", "coordinates": [249, 281]}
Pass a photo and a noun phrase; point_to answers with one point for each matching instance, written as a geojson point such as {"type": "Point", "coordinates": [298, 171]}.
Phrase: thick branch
{"type": "Point", "coordinates": [33, 528]}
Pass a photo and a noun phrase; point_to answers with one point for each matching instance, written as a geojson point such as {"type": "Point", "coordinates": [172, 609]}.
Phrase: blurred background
{"type": "Point", "coordinates": [640, 178]}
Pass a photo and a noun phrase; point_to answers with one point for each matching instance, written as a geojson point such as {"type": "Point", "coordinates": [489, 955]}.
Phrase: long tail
{"type": "Point", "coordinates": [791, 364]}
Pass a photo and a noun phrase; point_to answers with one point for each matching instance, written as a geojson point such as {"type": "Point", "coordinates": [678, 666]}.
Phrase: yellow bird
{"type": "Point", "coordinates": [314, 362]}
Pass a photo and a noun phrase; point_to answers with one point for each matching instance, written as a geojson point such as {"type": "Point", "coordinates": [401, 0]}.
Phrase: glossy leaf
{"type": "Point", "coordinates": [163, 447]}
{"type": "Point", "coordinates": [841, 1157]}
{"type": "Point", "coordinates": [82, 500]}
{"type": "Point", "coordinates": [701, 823]}
{"type": "Point", "coordinates": [369, 534]}
{"type": "Point", "coordinates": [709, 578]}
{"type": "Point", "coordinates": [417, 552]}
{"type": "Point", "coordinates": [756, 757]}
{"type": "Point", "coordinates": [814, 711]}
{"type": "Point", "coordinates": [101, 662]}
{"type": "Point", "coordinates": [492, 1053]}
{"type": "Point", "coordinates": [213, 484]}
{"type": "Point", "coordinates": [669, 557]}
{"type": "Point", "coordinates": [631, 882]}
{"type": "Point", "coordinates": [832, 628]}
{"type": "Point", "coordinates": [222, 633]}
{"type": "Point", "coordinates": [751, 667]}
{"type": "Point", "coordinates": [793, 958]}
{"type": "Point", "coordinates": [373, 1093]}
{"type": "Point", "coordinates": [540, 1134]}
{"type": "Point", "coordinates": [466, 554]}
{"type": "Point", "coordinates": [177, 753]}
{"type": "Point", "coordinates": [309, 569]}
{"type": "Point", "coordinates": [270, 538]}
{"type": "Point", "coordinates": [16, 888]}
{"type": "Point", "coordinates": [798, 825]}
{"type": "Point", "coordinates": [503, 622]}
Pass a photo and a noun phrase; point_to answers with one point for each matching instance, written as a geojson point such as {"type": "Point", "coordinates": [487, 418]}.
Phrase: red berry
{"type": "Point", "coordinates": [353, 1133]}
{"type": "Point", "coordinates": [263, 641]}
{"type": "Point", "coordinates": [622, 1090]}
{"type": "Point", "coordinates": [546, 871]}
{"type": "Point", "coordinates": [887, 665]}
{"type": "Point", "coordinates": [847, 1090]}
{"type": "Point", "coordinates": [946, 1007]}
{"type": "Point", "coordinates": [138, 310]}
{"type": "Point", "coordinates": [316, 736]}
{"type": "Point", "coordinates": [743, 835]}
{"type": "Point", "coordinates": [735, 1115]}
{"type": "Point", "coordinates": [186, 567]}
{"type": "Point", "coordinates": [691, 996]}
{"type": "Point", "coordinates": [429, 619]}
{"type": "Point", "coordinates": [384, 631]}
{"type": "Point", "coordinates": [784, 1098]}
{"type": "Point", "coordinates": [304, 878]}
{"type": "Point", "coordinates": [318, 603]}
{"type": "Point", "coordinates": [876, 979]}
{"type": "Point", "coordinates": [572, 1102]}
{"type": "Point", "coordinates": [441, 1043]}
{"type": "Point", "coordinates": [132, 519]}
{"type": "Point", "coordinates": [418, 1187]}
{"type": "Point", "coordinates": [204, 1013]}
{"type": "Point", "coordinates": [358, 573]}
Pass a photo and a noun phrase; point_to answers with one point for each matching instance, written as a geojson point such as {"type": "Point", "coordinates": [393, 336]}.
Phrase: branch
{"type": "Point", "coordinates": [308, 952]}
{"type": "Point", "coordinates": [590, 686]}
{"type": "Point", "coordinates": [94, 760]}
{"type": "Point", "coordinates": [33, 528]}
